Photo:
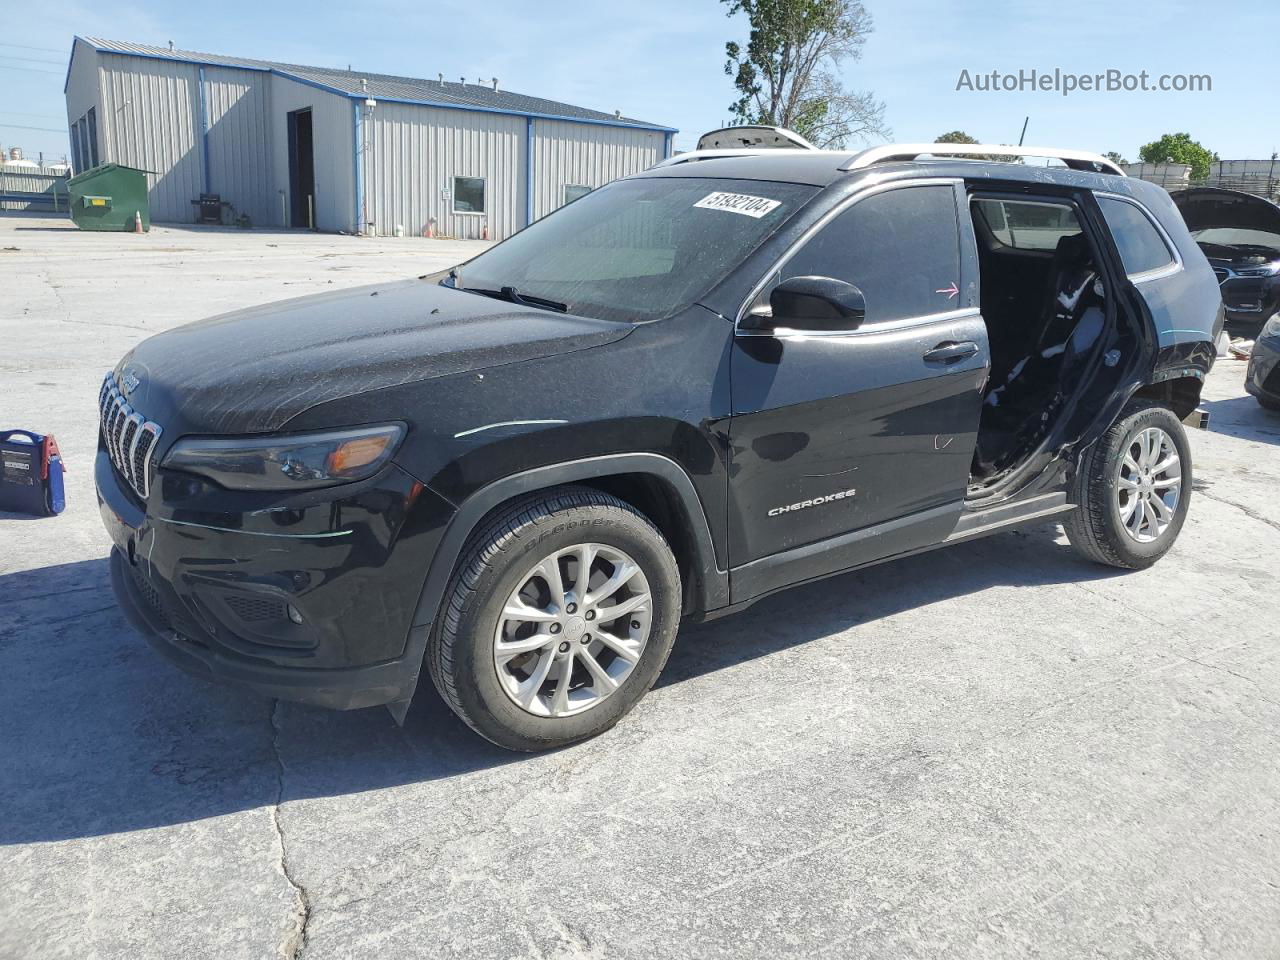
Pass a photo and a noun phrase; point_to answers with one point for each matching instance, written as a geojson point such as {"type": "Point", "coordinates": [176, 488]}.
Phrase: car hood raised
{"type": "Point", "coordinates": [1212, 208]}
{"type": "Point", "coordinates": [252, 370]}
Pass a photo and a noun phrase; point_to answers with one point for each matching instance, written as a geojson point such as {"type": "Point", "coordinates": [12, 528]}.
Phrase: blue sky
{"type": "Point", "coordinates": [662, 60]}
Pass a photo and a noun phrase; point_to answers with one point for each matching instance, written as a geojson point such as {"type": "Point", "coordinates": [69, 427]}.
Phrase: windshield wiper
{"type": "Point", "coordinates": [515, 296]}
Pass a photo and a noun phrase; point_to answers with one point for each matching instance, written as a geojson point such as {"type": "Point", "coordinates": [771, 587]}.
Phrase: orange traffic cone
{"type": "Point", "coordinates": [137, 221]}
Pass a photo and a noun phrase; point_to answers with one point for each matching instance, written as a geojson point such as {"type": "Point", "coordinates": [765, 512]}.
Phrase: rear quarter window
{"type": "Point", "coordinates": [1141, 247]}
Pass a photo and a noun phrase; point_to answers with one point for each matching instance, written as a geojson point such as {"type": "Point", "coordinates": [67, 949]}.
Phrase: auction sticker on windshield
{"type": "Point", "coordinates": [742, 203]}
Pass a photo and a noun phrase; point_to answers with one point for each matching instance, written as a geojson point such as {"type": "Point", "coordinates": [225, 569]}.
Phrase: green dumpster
{"type": "Point", "coordinates": [109, 197]}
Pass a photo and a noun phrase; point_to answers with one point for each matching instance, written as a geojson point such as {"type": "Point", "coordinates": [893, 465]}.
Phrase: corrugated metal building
{"type": "Point", "coordinates": [291, 145]}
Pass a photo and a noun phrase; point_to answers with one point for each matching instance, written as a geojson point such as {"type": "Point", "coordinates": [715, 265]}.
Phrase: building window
{"type": "Point", "coordinates": [573, 191]}
{"type": "Point", "coordinates": [468, 195]}
{"type": "Point", "coordinates": [82, 135]}
{"type": "Point", "coordinates": [75, 148]}
{"type": "Point", "coordinates": [92, 119]}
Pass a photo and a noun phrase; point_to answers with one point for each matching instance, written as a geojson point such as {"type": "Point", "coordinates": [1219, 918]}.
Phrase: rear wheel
{"type": "Point", "coordinates": [1133, 490]}
{"type": "Point", "coordinates": [1269, 404]}
{"type": "Point", "coordinates": [559, 619]}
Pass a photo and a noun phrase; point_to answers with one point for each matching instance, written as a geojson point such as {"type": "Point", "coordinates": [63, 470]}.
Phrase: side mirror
{"type": "Point", "coordinates": [811, 303]}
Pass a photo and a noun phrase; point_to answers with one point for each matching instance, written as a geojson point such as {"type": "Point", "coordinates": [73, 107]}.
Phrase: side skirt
{"type": "Point", "coordinates": [972, 525]}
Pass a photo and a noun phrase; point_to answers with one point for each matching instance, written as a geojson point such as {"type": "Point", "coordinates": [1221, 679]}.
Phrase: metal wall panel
{"type": "Point", "coordinates": [413, 154]}
{"type": "Point", "coordinates": [587, 155]}
{"type": "Point", "coordinates": [332, 122]}
{"type": "Point", "coordinates": [237, 110]}
{"type": "Point", "coordinates": [149, 119]}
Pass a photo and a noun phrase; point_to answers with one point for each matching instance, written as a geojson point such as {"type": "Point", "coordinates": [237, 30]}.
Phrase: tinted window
{"type": "Point", "coordinates": [1023, 225]}
{"type": "Point", "coordinates": [1141, 246]}
{"type": "Point", "coordinates": [900, 247]}
{"type": "Point", "coordinates": [468, 195]}
{"type": "Point", "coordinates": [638, 249]}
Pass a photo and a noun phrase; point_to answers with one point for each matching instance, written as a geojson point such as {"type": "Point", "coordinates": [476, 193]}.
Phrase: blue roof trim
{"type": "Point", "coordinates": [337, 91]}
{"type": "Point", "coordinates": [66, 82]}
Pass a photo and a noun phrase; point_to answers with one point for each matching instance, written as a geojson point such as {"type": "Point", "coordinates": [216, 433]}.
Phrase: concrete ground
{"type": "Point", "coordinates": [995, 750]}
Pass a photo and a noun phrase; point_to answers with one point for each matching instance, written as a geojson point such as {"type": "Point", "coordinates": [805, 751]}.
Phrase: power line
{"type": "Point", "coordinates": [5, 66]}
{"type": "Point", "coordinates": [38, 116]}
{"type": "Point", "coordinates": [10, 56]}
{"type": "Point", "coordinates": [23, 46]}
{"type": "Point", "coordinates": [18, 126]}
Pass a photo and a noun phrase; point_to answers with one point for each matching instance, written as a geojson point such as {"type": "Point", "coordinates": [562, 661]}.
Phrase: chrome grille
{"type": "Point", "coordinates": [130, 438]}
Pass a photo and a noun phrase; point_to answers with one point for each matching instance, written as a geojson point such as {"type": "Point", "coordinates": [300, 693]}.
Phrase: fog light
{"type": "Point", "coordinates": [294, 615]}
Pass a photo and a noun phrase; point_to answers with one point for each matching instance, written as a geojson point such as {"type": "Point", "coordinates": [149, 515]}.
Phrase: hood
{"type": "Point", "coordinates": [1228, 221]}
{"type": "Point", "coordinates": [252, 370]}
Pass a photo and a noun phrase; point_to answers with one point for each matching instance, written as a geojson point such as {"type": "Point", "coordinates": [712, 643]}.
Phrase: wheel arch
{"type": "Point", "coordinates": [1181, 394]}
{"type": "Point", "coordinates": [654, 484]}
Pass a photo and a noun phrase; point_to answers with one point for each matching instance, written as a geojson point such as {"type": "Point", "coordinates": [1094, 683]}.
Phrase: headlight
{"type": "Point", "coordinates": [1269, 270]}
{"type": "Point", "coordinates": [288, 461]}
{"type": "Point", "coordinates": [1272, 327]}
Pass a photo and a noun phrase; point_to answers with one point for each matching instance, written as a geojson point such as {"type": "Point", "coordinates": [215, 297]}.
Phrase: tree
{"type": "Point", "coordinates": [1179, 148]}
{"type": "Point", "coordinates": [959, 136]}
{"type": "Point", "coordinates": [1115, 158]}
{"type": "Point", "coordinates": [786, 75]}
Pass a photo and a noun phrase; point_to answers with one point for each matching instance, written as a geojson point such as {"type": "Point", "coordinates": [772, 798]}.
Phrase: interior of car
{"type": "Point", "coordinates": [1044, 304]}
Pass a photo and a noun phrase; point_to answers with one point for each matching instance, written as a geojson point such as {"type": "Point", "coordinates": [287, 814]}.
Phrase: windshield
{"type": "Point", "coordinates": [636, 249]}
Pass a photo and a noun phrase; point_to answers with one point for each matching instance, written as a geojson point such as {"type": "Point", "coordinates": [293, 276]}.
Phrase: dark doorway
{"type": "Point", "coordinates": [302, 170]}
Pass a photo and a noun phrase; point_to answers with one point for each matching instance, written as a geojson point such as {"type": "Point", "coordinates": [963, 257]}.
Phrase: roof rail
{"type": "Point", "coordinates": [1075, 159]}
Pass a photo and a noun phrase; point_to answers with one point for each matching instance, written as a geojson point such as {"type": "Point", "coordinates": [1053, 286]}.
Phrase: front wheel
{"type": "Point", "coordinates": [1132, 490]}
{"type": "Point", "coordinates": [559, 619]}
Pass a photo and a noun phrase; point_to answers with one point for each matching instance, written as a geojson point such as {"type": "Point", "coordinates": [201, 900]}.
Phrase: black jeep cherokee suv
{"type": "Point", "coordinates": [686, 390]}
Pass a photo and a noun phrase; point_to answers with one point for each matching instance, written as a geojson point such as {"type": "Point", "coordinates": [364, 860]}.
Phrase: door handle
{"type": "Point", "coordinates": [951, 351]}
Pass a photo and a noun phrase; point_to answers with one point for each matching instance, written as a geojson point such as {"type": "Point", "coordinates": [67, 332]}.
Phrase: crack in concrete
{"type": "Point", "coordinates": [1239, 676]}
{"type": "Point", "coordinates": [1247, 511]}
{"type": "Point", "coordinates": [56, 288]}
{"type": "Point", "coordinates": [292, 946]}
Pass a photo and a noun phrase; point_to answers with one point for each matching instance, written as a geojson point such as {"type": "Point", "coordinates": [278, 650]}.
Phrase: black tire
{"type": "Point", "coordinates": [460, 652]}
{"type": "Point", "coordinates": [1095, 528]}
{"type": "Point", "coordinates": [1268, 404]}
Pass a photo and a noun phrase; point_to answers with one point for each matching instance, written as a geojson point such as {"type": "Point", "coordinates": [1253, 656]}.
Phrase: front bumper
{"type": "Point", "coordinates": [1263, 377]}
{"type": "Point", "coordinates": [309, 600]}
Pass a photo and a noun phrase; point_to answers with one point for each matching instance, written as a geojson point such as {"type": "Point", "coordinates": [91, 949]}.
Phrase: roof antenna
{"type": "Point", "coordinates": [495, 83]}
{"type": "Point", "coordinates": [463, 81]}
{"type": "Point", "coordinates": [441, 76]}
{"type": "Point", "coordinates": [171, 45]}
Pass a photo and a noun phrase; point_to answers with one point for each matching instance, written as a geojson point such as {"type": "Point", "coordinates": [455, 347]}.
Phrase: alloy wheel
{"type": "Point", "coordinates": [572, 630]}
{"type": "Point", "coordinates": [1149, 485]}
